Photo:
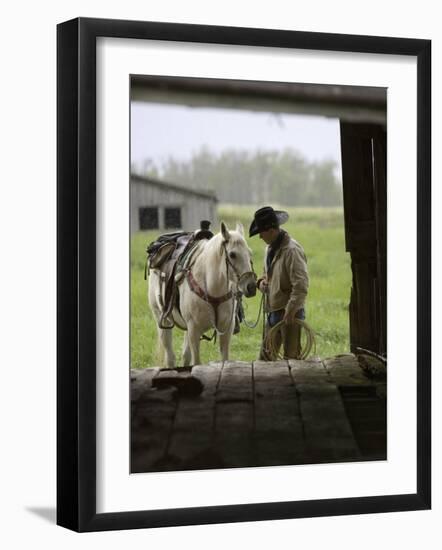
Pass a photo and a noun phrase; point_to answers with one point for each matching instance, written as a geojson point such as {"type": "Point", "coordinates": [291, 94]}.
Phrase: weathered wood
{"type": "Point", "coordinates": [345, 370]}
{"type": "Point", "coordinates": [372, 367]}
{"type": "Point", "coordinates": [234, 415]}
{"type": "Point", "coordinates": [152, 418]}
{"type": "Point", "coordinates": [236, 383]}
{"type": "Point", "coordinates": [366, 410]}
{"type": "Point", "coordinates": [192, 433]}
{"type": "Point", "coordinates": [380, 197]}
{"type": "Point", "coordinates": [364, 185]}
{"type": "Point", "coordinates": [181, 379]}
{"type": "Point", "coordinates": [260, 414]}
{"type": "Point", "coordinates": [327, 432]}
{"type": "Point", "coordinates": [141, 382]}
{"type": "Point", "coordinates": [308, 372]}
{"type": "Point", "coordinates": [278, 437]}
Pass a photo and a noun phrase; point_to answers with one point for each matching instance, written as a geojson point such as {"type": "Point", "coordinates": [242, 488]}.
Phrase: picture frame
{"type": "Point", "coordinates": [77, 253]}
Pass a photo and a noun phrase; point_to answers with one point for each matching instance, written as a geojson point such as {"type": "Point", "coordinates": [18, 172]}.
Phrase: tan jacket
{"type": "Point", "coordinates": [288, 280]}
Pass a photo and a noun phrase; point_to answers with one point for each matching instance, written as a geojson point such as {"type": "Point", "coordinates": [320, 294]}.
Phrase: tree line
{"type": "Point", "coordinates": [242, 177]}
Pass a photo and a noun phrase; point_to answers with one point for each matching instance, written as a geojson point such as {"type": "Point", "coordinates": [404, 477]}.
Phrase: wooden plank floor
{"type": "Point", "coordinates": [238, 414]}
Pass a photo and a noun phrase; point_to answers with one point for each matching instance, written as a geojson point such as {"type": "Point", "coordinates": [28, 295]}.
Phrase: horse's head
{"type": "Point", "coordinates": [238, 259]}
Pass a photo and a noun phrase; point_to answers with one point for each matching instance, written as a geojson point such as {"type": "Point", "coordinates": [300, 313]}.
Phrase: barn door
{"type": "Point", "coordinates": [363, 149]}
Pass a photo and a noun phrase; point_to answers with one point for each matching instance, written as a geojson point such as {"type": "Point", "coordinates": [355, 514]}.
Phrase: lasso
{"type": "Point", "coordinates": [271, 340]}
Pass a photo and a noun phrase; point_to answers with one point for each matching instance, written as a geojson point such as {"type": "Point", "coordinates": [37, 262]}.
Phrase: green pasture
{"type": "Point", "coordinates": [321, 233]}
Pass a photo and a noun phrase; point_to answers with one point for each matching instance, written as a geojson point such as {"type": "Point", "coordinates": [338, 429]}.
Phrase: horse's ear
{"type": "Point", "coordinates": [240, 228]}
{"type": "Point", "coordinates": [225, 232]}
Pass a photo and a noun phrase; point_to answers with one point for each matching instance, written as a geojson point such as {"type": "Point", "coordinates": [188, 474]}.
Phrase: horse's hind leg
{"type": "Point", "coordinates": [187, 353]}
{"type": "Point", "coordinates": [167, 342]}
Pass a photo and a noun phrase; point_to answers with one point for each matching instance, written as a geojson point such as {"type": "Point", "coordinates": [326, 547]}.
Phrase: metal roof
{"type": "Point", "coordinates": [173, 186]}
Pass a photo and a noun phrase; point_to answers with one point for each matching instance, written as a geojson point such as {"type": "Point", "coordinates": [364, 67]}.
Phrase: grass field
{"type": "Point", "coordinates": [321, 233]}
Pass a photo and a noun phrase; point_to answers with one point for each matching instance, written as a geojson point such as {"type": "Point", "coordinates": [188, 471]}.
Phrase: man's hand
{"type": "Point", "coordinates": [289, 316]}
{"type": "Point", "coordinates": [263, 285]}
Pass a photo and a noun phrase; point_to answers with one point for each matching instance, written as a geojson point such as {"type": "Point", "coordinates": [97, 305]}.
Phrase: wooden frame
{"type": "Point", "coordinates": [76, 272]}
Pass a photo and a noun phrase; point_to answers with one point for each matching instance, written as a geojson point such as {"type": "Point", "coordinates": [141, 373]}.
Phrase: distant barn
{"type": "Point", "coordinates": [156, 204]}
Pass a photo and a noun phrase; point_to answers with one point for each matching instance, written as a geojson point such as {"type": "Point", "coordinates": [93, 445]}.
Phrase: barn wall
{"type": "Point", "coordinates": [363, 148]}
{"type": "Point", "coordinates": [193, 207]}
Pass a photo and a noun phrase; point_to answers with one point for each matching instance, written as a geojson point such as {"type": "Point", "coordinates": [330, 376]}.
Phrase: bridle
{"type": "Point", "coordinates": [239, 276]}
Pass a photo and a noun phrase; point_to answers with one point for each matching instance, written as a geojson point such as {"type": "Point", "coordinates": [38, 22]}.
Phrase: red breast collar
{"type": "Point", "coordinates": [213, 300]}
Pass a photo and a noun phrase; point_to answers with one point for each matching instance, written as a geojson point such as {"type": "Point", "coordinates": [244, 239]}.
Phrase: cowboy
{"type": "Point", "coordinates": [284, 282]}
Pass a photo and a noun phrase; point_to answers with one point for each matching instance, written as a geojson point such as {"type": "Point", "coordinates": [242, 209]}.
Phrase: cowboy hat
{"type": "Point", "coordinates": [265, 218]}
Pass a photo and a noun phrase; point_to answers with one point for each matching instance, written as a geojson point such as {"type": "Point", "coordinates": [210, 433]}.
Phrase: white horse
{"type": "Point", "coordinates": [207, 294]}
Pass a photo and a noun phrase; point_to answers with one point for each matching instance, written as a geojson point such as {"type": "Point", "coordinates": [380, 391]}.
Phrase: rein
{"type": "Point", "coordinates": [244, 320]}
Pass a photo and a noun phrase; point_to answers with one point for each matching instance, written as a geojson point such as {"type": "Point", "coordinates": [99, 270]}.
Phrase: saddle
{"type": "Point", "coordinates": [169, 254]}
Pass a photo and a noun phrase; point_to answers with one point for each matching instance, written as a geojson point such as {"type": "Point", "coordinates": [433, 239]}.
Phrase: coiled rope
{"type": "Point", "coordinates": [271, 340]}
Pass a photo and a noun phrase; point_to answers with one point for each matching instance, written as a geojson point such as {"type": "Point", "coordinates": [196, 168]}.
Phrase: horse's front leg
{"type": "Point", "coordinates": [193, 340]}
{"type": "Point", "coordinates": [224, 345]}
{"type": "Point", "coordinates": [227, 326]}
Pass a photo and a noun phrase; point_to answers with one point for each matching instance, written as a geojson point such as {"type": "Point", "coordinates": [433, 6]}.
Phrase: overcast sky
{"type": "Point", "coordinates": [159, 131]}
